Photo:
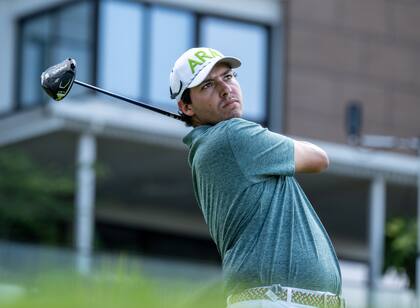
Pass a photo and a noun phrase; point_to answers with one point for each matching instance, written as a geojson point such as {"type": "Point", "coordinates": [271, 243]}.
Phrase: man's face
{"type": "Point", "coordinates": [217, 98]}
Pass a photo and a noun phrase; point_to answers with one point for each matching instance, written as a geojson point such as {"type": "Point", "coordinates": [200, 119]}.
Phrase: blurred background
{"type": "Point", "coordinates": [91, 178]}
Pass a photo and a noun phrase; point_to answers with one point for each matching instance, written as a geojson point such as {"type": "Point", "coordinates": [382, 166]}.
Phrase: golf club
{"type": "Point", "coordinates": [58, 80]}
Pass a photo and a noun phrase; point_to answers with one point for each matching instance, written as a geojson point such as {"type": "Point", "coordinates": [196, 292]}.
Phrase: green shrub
{"type": "Point", "coordinates": [35, 201]}
{"type": "Point", "coordinates": [401, 247]}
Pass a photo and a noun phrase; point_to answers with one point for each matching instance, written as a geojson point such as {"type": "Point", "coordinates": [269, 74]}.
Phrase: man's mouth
{"type": "Point", "coordinates": [229, 102]}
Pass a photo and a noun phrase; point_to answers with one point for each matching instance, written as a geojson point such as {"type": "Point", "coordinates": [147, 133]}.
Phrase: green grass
{"type": "Point", "coordinates": [117, 288]}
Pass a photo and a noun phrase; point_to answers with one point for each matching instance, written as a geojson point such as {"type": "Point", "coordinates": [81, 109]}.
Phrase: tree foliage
{"type": "Point", "coordinates": [401, 247]}
{"type": "Point", "coordinates": [35, 200]}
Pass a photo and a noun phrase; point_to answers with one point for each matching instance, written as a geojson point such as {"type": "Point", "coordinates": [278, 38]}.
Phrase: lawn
{"type": "Point", "coordinates": [111, 288]}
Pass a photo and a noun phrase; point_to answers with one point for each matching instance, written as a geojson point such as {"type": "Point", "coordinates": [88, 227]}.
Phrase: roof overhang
{"type": "Point", "coordinates": [107, 118]}
{"type": "Point", "coordinates": [97, 116]}
{"type": "Point", "coordinates": [367, 163]}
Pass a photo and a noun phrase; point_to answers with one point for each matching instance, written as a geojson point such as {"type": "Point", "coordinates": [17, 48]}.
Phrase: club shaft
{"type": "Point", "coordinates": [129, 100]}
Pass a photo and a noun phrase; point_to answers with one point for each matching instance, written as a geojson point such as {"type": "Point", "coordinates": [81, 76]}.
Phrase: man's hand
{"type": "Point", "coordinates": [309, 158]}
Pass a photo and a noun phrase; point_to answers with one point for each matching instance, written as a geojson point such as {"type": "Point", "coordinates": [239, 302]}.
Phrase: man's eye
{"type": "Point", "coordinates": [206, 85]}
{"type": "Point", "coordinates": [229, 76]}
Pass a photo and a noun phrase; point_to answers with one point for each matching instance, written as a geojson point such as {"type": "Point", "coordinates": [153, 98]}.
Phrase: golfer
{"type": "Point", "coordinates": [275, 251]}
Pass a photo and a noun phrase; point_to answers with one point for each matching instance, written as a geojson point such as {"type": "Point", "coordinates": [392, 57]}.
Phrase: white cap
{"type": "Point", "coordinates": [192, 68]}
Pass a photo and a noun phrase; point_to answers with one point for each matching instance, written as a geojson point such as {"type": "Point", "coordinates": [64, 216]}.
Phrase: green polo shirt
{"type": "Point", "coordinates": [264, 226]}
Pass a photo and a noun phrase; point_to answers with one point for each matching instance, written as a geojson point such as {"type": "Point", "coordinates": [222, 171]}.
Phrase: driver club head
{"type": "Point", "coordinates": [58, 79]}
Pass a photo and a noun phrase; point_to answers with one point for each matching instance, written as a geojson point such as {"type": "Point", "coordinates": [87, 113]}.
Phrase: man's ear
{"type": "Point", "coordinates": [185, 108]}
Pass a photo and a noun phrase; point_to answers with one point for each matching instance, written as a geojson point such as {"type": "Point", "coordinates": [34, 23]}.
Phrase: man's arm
{"type": "Point", "coordinates": [309, 158]}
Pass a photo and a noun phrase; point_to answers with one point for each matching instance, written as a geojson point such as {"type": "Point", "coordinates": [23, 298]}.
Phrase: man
{"type": "Point", "coordinates": [275, 251]}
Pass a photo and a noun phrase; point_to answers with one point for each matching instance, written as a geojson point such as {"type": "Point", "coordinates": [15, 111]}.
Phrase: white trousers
{"type": "Point", "coordinates": [266, 303]}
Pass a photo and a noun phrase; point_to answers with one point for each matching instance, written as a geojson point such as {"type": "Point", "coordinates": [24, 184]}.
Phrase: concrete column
{"type": "Point", "coordinates": [418, 232]}
{"type": "Point", "coordinates": [85, 200]}
{"type": "Point", "coordinates": [376, 234]}
{"type": "Point", "coordinates": [277, 97]}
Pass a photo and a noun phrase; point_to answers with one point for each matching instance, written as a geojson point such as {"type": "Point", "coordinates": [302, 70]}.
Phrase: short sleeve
{"type": "Point", "coordinates": [260, 152]}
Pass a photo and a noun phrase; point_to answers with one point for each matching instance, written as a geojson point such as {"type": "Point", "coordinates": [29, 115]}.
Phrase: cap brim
{"type": "Point", "coordinates": [202, 75]}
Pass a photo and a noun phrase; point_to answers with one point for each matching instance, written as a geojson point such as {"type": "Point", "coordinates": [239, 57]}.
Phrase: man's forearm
{"type": "Point", "coordinates": [309, 158]}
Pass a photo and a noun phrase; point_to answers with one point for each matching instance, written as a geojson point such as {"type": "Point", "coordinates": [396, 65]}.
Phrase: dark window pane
{"type": "Point", "coordinates": [75, 22]}
{"type": "Point", "coordinates": [35, 35]}
{"type": "Point", "coordinates": [50, 38]}
{"type": "Point", "coordinates": [73, 39]}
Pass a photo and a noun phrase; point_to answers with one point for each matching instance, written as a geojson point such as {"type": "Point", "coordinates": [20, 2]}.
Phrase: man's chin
{"type": "Point", "coordinates": [237, 113]}
{"type": "Point", "coordinates": [234, 115]}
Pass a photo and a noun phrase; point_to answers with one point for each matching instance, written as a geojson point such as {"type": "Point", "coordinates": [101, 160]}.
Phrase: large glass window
{"type": "Point", "coordinates": [134, 48]}
{"type": "Point", "coordinates": [49, 38]}
{"type": "Point", "coordinates": [249, 43]}
{"type": "Point", "coordinates": [35, 36]}
{"type": "Point", "coordinates": [121, 47]}
{"type": "Point", "coordinates": [73, 38]}
{"type": "Point", "coordinates": [172, 33]}
{"type": "Point", "coordinates": [138, 45]}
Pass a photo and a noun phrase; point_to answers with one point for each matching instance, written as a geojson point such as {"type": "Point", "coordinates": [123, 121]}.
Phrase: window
{"type": "Point", "coordinates": [121, 47]}
{"type": "Point", "coordinates": [35, 39]}
{"type": "Point", "coordinates": [248, 42]}
{"type": "Point", "coordinates": [139, 67]}
{"type": "Point", "coordinates": [49, 38]}
{"type": "Point", "coordinates": [73, 38]}
{"type": "Point", "coordinates": [129, 47]}
{"type": "Point", "coordinates": [172, 33]}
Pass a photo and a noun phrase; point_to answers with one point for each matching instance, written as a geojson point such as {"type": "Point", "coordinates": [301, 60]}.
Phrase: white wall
{"type": "Point", "coordinates": [267, 11]}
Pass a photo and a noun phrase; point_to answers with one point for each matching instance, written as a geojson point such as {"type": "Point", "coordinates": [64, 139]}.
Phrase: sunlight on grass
{"type": "Point", "coordinates": [118, 287]}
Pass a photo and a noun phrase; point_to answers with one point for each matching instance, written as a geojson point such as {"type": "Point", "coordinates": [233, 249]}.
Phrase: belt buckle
{"type": "Point", "coordinates": [273, 292]}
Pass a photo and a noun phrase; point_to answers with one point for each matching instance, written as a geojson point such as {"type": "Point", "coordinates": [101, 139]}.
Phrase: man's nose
{"type": "Point", "coordinates": [225, 89]}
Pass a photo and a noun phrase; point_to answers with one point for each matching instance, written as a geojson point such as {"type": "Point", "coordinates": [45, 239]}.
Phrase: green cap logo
{"type": "Point", "coordinates": [202, 56]}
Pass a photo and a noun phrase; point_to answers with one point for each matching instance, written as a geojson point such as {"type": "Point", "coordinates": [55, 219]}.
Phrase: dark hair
{"type": "Point", "coordinates": [186, 99]}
